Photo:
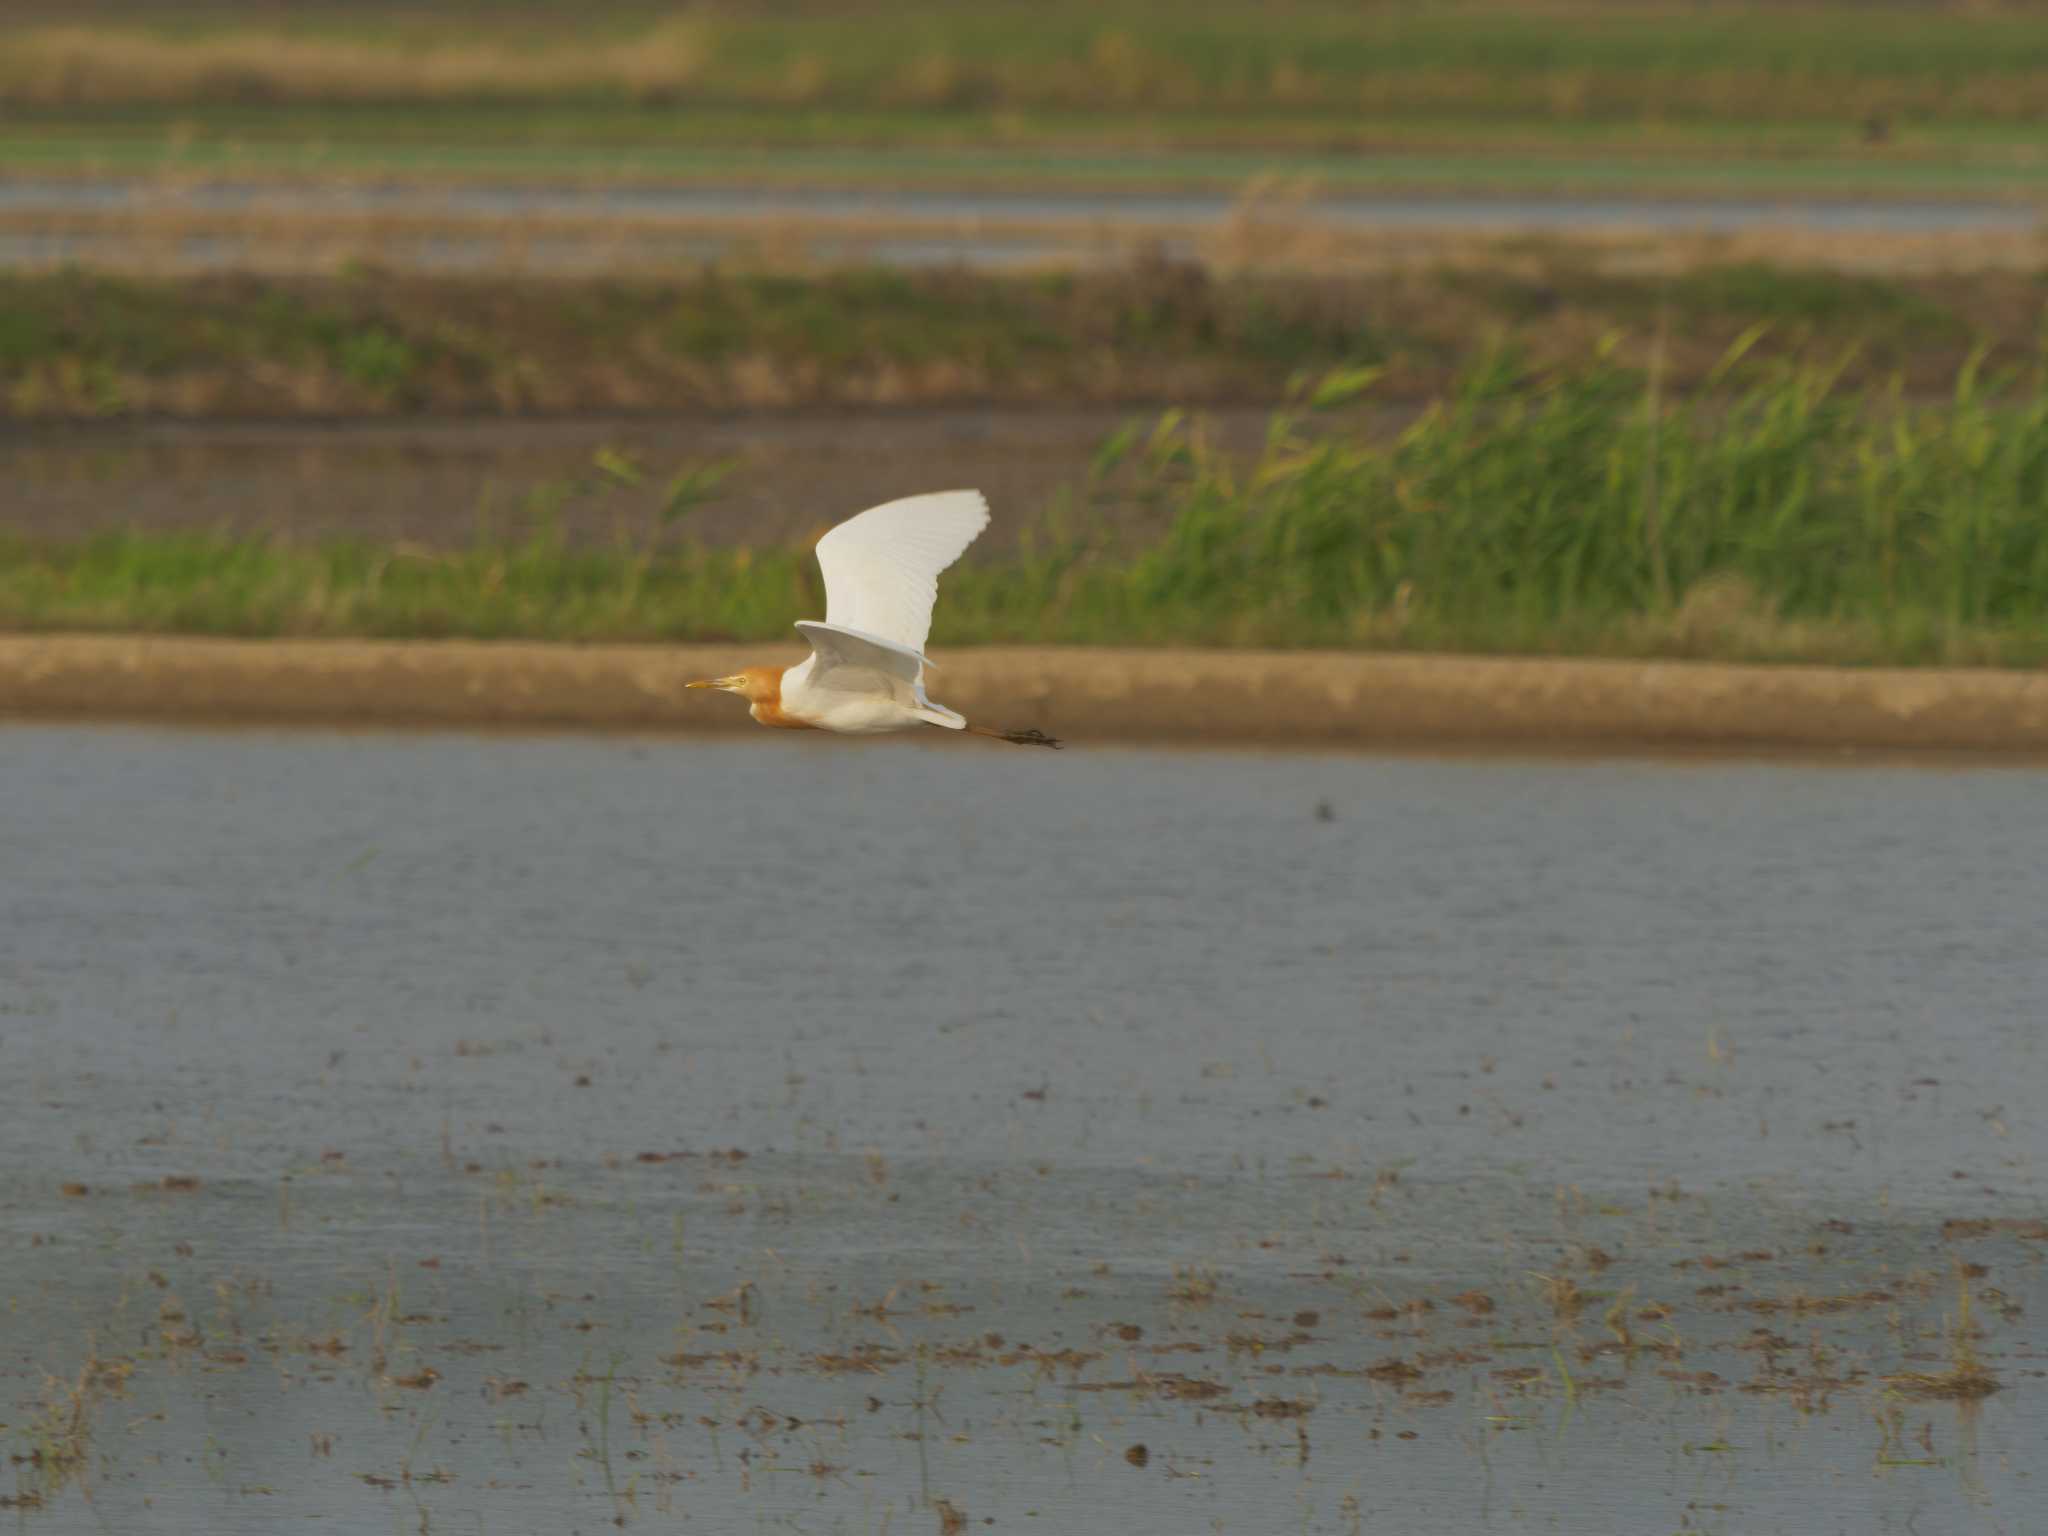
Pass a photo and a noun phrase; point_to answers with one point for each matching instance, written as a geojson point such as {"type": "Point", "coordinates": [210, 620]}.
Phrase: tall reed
{"type": "Point", "coordinates": [1513, 515]}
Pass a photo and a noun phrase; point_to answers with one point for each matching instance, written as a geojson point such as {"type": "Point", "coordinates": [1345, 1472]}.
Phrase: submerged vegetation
{"type": "Point", "coordinates": [1775, 513]}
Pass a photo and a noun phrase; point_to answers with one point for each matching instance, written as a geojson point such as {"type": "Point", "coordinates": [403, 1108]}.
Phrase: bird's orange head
{"type": "Point", "coordinates": [757, 685]}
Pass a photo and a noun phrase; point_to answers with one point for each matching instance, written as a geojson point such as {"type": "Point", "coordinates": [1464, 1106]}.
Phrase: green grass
{"type": "Point", "coordinates": [1561, 511]}
{"type": "Point", "coordinates": [1506, 61]}
{"type": "Point", "coordinates": [76, 344]}
{"type": "Point", "coordinates": [1920, 98]}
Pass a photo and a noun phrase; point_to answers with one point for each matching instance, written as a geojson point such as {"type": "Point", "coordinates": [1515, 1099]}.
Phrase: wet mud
{"type": "Point", "coordinates": [1083, 694]}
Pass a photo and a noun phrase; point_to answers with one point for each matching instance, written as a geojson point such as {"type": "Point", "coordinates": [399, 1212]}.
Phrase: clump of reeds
{"type": "Point", "coordinates": [1791, 517]}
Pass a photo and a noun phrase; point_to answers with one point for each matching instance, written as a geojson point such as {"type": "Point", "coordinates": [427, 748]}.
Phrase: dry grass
{"type": "Point", "coordinates": [76, 66]}
{"type": "Point", "coordinates": [60, 1432]}
{"type": "Point", "coordinates": [1959, 1382]}
{"type": "Point", "coordinates": [863, 1359]}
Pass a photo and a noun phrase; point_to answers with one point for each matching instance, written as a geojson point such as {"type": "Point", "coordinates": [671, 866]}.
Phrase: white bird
{"type": "Point", "coordinates": [865, 673]}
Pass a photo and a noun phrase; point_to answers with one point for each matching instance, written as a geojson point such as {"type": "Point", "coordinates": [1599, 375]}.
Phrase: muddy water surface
{"type": "Point", "coordinates": [464, 1134]}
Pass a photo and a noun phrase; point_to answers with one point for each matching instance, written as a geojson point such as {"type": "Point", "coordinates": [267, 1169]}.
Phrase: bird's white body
{"type": "Point", "coordinates": [865, 673]}
{"type": "Point", "coordinates": [860, 697]}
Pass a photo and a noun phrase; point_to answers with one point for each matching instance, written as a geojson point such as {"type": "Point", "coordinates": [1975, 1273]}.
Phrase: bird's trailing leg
{"type": "Point", "coordinates": [1021, 738]}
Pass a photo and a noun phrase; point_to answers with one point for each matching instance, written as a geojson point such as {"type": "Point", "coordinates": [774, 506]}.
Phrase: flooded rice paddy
{"type": "Point", "coordinates": [236, 224]}
{"type": "Point", "coordinates": [1122, 206]}
{"type": "Point", "coordinates": [441, 1133]}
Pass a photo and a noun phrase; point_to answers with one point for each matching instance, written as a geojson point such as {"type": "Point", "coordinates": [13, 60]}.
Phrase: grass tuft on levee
{"type": "Point", "coordinates": [1574, 510]}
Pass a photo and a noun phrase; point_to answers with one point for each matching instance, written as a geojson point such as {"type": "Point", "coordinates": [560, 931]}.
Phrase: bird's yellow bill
{"type": "Point", "coordinates": [729, 684]}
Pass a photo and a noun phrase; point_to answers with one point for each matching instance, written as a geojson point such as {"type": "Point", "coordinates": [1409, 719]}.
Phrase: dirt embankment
{"type": "Point", "coordinates": [1083, 694]}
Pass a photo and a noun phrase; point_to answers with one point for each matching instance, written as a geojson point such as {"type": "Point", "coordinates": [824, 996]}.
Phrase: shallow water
{"type": "Point", "coordinates": [1133, 209]}
{"type": "Point", "coordinates": [996, 229]}
{"type": "Point", "coordinates": [565, 256]}
{"type": "Point", "coordinates": [511, 1134]}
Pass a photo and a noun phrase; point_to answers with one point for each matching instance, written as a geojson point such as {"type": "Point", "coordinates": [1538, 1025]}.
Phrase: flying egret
{"type": "Point", "coordinates": [865, 673]}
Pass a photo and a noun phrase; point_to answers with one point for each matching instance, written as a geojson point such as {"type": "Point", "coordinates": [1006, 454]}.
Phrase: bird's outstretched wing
{"type": "Point", "coordinates": [882, 566]}
{"type": "Point", "coordinates": [847, 661]}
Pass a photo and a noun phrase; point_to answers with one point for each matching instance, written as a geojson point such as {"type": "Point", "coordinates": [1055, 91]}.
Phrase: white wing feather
{"type": "Point", "coordinates": [861, 682]}
{"type": "Point", "coordinates": [882, 566]}
{"type": "Point", "coordinates": [847, 661]}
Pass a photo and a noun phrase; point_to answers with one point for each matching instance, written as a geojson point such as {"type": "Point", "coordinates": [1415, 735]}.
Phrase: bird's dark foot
{"type": "Point", "coordinates": [1032, 739]}
{"type": "Point", "coordinates": [1020, 738]}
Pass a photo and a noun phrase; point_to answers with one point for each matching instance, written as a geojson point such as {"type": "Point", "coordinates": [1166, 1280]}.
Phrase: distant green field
{"type": "Point", "coordinates": [1504, 61]}
{"type": "Point", "coordinates": [1573, 510]}
{"type": "Point", "coordinates": [76, 344]}
{"type": "Point", "coordinates": [1912, 98]}
{"type": "Point", "coordinates": [907, 151]}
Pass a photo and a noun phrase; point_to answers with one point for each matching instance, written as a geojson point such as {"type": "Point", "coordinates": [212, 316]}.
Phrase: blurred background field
{"type": "Point", "coordinates": [1929, 95]}
{"type": "Point", "coordinates": [1577, 318]}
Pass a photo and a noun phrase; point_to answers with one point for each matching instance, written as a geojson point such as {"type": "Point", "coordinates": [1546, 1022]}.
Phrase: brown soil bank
{"type": "Point", "coordinates": [1305, 698]}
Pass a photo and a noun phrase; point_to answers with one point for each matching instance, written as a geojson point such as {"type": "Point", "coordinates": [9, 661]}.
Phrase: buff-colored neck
{"type": "Point", "coordinates": [763, 691]}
